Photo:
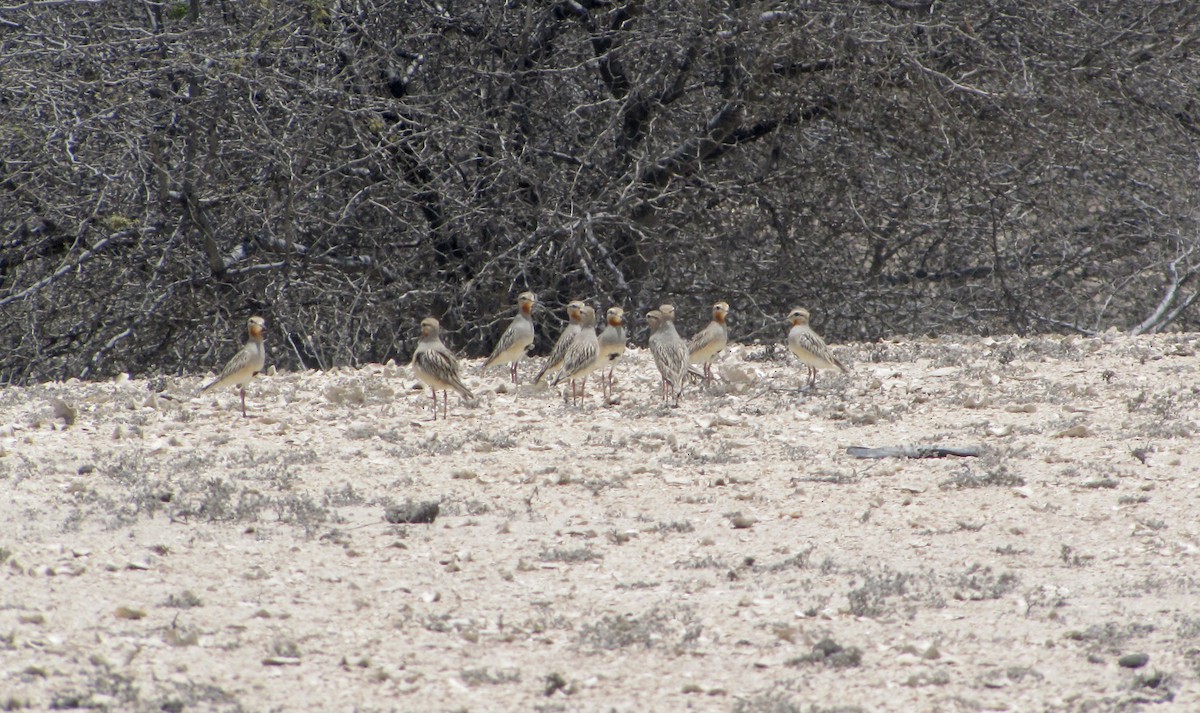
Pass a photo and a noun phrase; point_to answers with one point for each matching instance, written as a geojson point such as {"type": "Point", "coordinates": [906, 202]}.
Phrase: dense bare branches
{"type": "Point", "coordinates": [348, 166]}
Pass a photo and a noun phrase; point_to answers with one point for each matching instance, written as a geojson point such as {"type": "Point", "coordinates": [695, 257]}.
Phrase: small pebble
{"type": "Point", "coordinates": [1073, 432]}
{"type": "Point", "coordinates": [412, 513]}
{"type": "Point", "coordinates": [1133, 660]}
{"type": "Point", "coordinates": [742, 522]}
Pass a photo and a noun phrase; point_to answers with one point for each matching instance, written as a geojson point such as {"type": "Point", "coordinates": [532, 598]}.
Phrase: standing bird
{"type": "Point", "coordinates": [709, 342]}
{"type": "Point", "coordinates": [437, 367]}
{"type": "Point", "coordinates": [245, 364]}
{"type": "Point", "coordinates": [582, 354]}
{"type": "Point", "coordinates": [612, 346]}
{"type": "Point", "coordinates": [559, 351]}
{"type": "Point", "coordinates": [669, 350]}
{"type": "Point", "coordinates": [516, 339]}
{"type": "Point", "coordinates": [808, 346]}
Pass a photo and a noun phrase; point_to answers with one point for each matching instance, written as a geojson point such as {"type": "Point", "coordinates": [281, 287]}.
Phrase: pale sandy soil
{"type": "Point", "coordinates": [164, 554]}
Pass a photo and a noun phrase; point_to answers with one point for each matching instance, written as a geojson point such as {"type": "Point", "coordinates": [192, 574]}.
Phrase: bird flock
{"type": "Point", "coordinates": [578, 352]}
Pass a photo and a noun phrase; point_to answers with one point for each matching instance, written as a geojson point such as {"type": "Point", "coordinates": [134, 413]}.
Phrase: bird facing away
{"type": "Point", "coordinates": [516, 339]}
{"type": "Point", "coordinates": [808, 346]}
{"type": "Point", "coordinates": [582, 354]}
{"type": "Point", "coordinates": [669, 350]}
{"type": "Point", "coordinates": [612, 346]}
{"type": "Point", "coordinates": [437, 367]}
{"type": "Point", "coordinates": [245, 364]}
{"type": "Point", "coordinates": [709, 342]}
{"type": "Point", "coordinates": [559, 352]}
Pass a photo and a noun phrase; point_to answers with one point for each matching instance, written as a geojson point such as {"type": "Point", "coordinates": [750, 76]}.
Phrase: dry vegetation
{"type": "Point", "coordinates": [348, 167]}
{"type": "Point", "coordinates": [162, 554]}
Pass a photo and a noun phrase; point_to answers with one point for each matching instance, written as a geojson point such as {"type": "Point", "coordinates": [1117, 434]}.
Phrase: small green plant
{"type": "Point", "coordinates": [997, 477]}
{"type": "Point", "coordinates": [1109, 638]}
{"type": "Point", "coordinates": [656, 627]}
{"type": "Point", "coordinates": [579, 554]}
{"type": "Point", "coordinates": [877, 587]}
{"type": "Point", "coordinates": [979, 583]}
{"type": "Point", "coordinates": [831, 654]}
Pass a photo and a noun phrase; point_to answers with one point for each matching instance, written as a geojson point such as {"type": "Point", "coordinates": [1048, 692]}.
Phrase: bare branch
{"type": "Point", "coordinates": [32, 5]}
{"type": "Point", "coordinates": [1166, 311]}
{"type": "Point", "coordinates": [65, 269]}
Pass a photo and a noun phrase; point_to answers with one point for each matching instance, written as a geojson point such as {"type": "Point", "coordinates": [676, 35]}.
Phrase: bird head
{"type": "Point", "coordinates": [526, 301]}
{"type": "Point", "coordinates": [798, 316]}
{"type": "Point", "coordinates": [573, 310]}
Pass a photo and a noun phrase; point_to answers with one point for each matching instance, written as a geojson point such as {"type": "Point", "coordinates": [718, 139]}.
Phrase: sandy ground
{"type": "Point", "coordinates": [160, 553]}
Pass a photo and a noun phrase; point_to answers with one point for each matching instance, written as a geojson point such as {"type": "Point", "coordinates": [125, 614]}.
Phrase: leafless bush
{"type": "Point", "coordinates": [345, 167]}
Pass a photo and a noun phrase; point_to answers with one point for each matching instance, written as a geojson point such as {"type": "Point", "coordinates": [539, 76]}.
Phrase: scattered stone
{"type": "Point", "coordinates": [724, 417]}
{"type": "Point", "coordinates": [742, 522]}
{"type": "Point", "coordinates": [412, 513]}
{"type": "Point", "coordinates": [1133, 660]}
{"type": "Point", "coordinates": [913, 451]}
{"type": "Point", "coordinates": [735, 374]}
{"type": "Point", "coordinates": [65, 411]}
{"type": "Point", "coordinates": [1079, 431]}
{"type": "Point", "coordinates": [555, 683]}
{"type": "Point", "coordinates": [832, 654]}
{"type": "Point", "coordinates": [254, 464]}
{"type": "Point", "coordinates": [281, 661]}
{"type": "Point", "coordinates": [620, 538]}
{"type": "Point", "coordinates": [345, 394]}
{"type": "Point", "coordinates": [976, 402]}
{"type": "Point", "coordinates": [361, 431]}
{"type": "Point", "coordinates": [180, 638]}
